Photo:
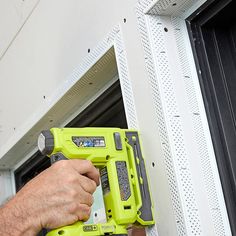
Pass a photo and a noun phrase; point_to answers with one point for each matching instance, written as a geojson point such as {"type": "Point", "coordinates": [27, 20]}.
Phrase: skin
{"type": "Point", "coordinates": [60, 195]}
{"type": "Point", "coordinates": [136, 232]}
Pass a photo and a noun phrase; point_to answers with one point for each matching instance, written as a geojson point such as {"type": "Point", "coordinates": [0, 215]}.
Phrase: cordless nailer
{"type": "Point", "coordinates": [117, 153]}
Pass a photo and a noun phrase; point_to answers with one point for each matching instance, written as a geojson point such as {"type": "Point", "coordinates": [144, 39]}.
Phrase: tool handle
{"type": "Point", "coordinates": [145, 216]}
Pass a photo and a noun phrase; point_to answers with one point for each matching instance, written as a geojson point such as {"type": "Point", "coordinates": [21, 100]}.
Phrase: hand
{"type": "Point", "coordinates": [135, 231]}
{"type": "Point", "coordinates": [60, 195]}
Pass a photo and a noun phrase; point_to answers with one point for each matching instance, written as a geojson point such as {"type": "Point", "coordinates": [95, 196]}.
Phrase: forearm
{"type": "Point", "coordinates": [60, 195]}
{"type": "Point", "coordinates": [14, 220]}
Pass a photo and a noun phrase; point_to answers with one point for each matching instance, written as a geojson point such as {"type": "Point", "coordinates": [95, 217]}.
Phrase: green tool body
{"type": "Point", "coordinates": [117, 153]}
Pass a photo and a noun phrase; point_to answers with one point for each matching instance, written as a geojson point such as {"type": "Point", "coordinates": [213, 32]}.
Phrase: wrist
{"type": "Point", "coordinates": [15, 220]}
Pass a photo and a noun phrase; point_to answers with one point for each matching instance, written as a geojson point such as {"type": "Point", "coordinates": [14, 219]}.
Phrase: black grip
{"type": "Point", "coordinates": [146, 208]}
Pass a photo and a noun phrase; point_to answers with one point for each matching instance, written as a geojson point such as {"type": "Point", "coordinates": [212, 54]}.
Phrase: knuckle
{"type": "Point", "coordinates": [88, 163]}
{"type": "Point", "coordinates": [97, 173]}
{"type": "Point", "coordinates": [74, 218]}
{"type": "Point", "coordinates": [93, 186]}
{"type": "Point", "coordinates": [87, 209]}
{"type": "Point", "coordinates": [97, 177]}
{"type": "Point", "coordinates": [84, 213]}
{"type": "Point", "coordinates": [72, 194]}
{"type": "Point", "coordinates": [90, 200]}
{"type": "Point", "coordinates": [73, 208]}
{"type": "Point", "coordinates": [60, 164]}
{"type": "Point", "coordinates": [71, 179]}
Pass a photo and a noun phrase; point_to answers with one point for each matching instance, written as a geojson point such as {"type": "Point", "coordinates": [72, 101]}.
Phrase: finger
{"type": "Point", "coordinates": [86, 198]}
{"type": "Point", "coordinates": [84, 212]}
{"type": "Point", "coordinates": [87, 184]}
{"type": "Point", "coordinates": [75, 206]}
{"type": "Point", "coordinates": [86, 167]}
{"type": "Point", "coordinates": [76, 194]}
{"type": "Point", "coordinates": [63, 216]}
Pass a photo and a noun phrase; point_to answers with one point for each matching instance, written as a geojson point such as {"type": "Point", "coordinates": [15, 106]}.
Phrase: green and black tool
{"type": "Point", "coordinates": [118, 155]}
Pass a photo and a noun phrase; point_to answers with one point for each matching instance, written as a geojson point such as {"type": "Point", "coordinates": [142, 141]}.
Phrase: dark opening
{"type": "Point", "coordinates": [212, 31]}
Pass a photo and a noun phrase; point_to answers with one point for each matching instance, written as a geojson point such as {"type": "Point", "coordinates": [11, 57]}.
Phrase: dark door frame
{"type": "Point", "coordinates": [202, 27]}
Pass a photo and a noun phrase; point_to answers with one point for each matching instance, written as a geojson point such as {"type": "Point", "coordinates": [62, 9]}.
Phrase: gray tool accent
{"type": "Point", "coordinates": [57, 157]}
{"type": "Point", "coordinates": [123, 179]}
{"type": "Point", "coordinates": [118, 142]}
{"type": "Point", "coordinates": [49, 142]}
{"type": "Point", "coordinates": [146, 209]}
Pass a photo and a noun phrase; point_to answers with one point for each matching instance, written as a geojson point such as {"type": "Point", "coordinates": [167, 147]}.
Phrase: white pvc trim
{"type": "Point", "coordinates": [177, 11]}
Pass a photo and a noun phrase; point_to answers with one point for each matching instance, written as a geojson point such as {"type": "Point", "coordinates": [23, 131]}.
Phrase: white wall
{"type": "Point", "coordinates": [13, 15]}
{"type": "Point", "coordinates": [41, 43]}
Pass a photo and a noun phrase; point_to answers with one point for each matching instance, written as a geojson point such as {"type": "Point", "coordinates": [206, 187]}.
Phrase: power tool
{"type": "Point", "coordinates": [118, 155]}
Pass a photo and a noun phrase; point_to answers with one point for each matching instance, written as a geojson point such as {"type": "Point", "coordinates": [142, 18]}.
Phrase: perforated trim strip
{"type": "Point", "coordinates": [126, 86]}
{"type": "Point", "coordinates": [198, 130]}
{"type": "Point", "coordinates": [149, 15]}
{"type": "Point", "coordinates": [160, 117]}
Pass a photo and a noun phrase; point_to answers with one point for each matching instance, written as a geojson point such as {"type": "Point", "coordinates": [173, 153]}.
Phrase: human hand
{"type": "Point", "coordinates": [60, 195]}
{"type": "Point", "coordinates": [135, 231]}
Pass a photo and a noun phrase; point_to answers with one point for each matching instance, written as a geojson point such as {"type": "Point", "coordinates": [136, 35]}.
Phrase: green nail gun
{"type": "Point", "coordinates": [117, 153]}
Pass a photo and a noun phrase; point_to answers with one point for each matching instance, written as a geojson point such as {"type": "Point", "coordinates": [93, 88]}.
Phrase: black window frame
{"type": "Point", "coordinates": [199, 25]}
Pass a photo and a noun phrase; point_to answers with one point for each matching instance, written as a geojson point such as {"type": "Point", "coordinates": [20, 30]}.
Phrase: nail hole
{"type": "Point", "coordinates": [174, 4]}
{"type": "Point", "coordinates": [165, 29]}
{"type": "Point", "coordinates": [89, 50]}
{"type": "Point", "coordinates": [50, 121]}
{"type": "Point", "coordinates": [95, 214]}
{"type": "Point", "coordinates": [90, 83]}
{"type": "Point", "coordinates": [124, 20]}
{"type": "Point", "coordinates": [44, 97]}
{"type": "Point", "coordinates": [153, 164]}
{"type": "Point", "coordinates": [107, 157]}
